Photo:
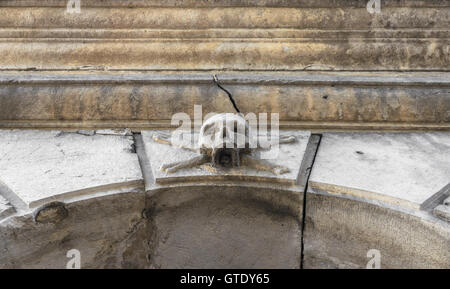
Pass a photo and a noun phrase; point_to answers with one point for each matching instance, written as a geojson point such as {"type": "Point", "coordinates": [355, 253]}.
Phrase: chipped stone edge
{"type": "Point", "coordinates": [415, 211]}
{"type": "Point", "coordinates": [71, 200]}
{"type": "Point", "coordinates": [89, 191]}
{"type": "Point", "coordinates": [343, 191]}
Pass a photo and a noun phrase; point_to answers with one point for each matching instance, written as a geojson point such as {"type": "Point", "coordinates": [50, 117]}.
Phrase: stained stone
{"type": "Point", "coordinates": [405, 169]}
{"type": "Point", "coordinates": [50, 213]}
{"type": "Point", "coordinates": [378, 191]}
{"type": "Point", "coordinates": [44, 166]}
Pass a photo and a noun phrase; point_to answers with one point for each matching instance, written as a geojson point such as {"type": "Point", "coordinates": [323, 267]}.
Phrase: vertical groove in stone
{"type": "Point", "coordinates": [310, 156]}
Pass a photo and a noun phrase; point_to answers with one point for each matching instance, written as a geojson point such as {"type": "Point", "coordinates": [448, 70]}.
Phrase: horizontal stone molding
{"type": "Point", "coordinates": [224, 3]}
{"type": "Point", "coordinates": [208, 35]}
{"type": "Point", "coordinates": [232, 54]}
{"type": "Point", "coordinates": [72, 35]}
{"type": "Point", "coordinates": [408, 101]}
{"type": "Point", "coordinates": [225, 17]}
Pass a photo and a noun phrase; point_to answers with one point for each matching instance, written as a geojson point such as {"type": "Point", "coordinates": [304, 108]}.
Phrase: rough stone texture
{"type": "Point", "coordinates": [225, 227]}
{"type": "Point", "coordinates": [109, 232]}
{"type": "Point", "coordinates": [363, 198]}
{"type": "Point", "coordinates": [225, 219]}
{"type": "Point", "coordinates": [336, 100]}
{"type": "Point", "coordinates": [370, 191]}
{"type": "Point", "coordinates": [224, 3]}
{"type": "Point", "coordinates": [231, 224]}
{"type": "Point", "coordinates": [181, 225]}
{"type": "Point", "coordinates": [43, 166]}
{"type": "Point", "coordinates": [247, 37]}
{"type": "Point", "coordinates": [5, 208]}
{"type": "Point", "coordinates": [122, 132]}
{"type": "Point", "coordinates": [53, 212]}
{"type": "Point", "coordinates": [340, 231]}
{"type": "Point", "coordinates": [397, 168]}
{"type": "Point", "coordinates": [213, 35]}
{"type": "Point", "coordinates": [289, 156]}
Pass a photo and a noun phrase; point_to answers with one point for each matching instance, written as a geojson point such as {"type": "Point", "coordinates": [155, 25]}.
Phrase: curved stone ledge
{"type": "Point", "coordinates": [38, 167]}
{"type": "Point", "coordinates": [108, 231]}
{"type": "Point", "coordinates": [339, 232]}
{"type": "Point", "coordinates": [219, 226]}
{"type": "Point", "coordinates": [364, 193]}
{"type": "Point", "coordinates": [378, 191]}
{"type": "Point", "coordinates": [401, 169]}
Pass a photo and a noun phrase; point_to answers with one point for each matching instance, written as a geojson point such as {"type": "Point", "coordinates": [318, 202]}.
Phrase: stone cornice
{"type": "Point", "coordinates": [224, 3]}
{"type": "Point", "coordinates": [225, 35]}
{"type": "Point", "coordinates": [318, 101]}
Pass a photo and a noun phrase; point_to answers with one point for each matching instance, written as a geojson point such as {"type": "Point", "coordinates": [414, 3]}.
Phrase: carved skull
{"type": "Point", "coordinates": [224, 137]}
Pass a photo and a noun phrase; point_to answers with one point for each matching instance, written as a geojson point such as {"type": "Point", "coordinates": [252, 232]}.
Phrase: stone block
{"type": "Point", "coordinates": [45, 166]}
{"type": "Point", "coordinates": [374, 191]}
{"type": "Point", "coordinates": [226, 218]}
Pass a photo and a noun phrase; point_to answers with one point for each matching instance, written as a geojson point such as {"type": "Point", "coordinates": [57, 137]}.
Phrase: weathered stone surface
{"type": "Point", "coordinates": [223, 3]}
{"type": "Point", "coordinates": [226, 218]}
{"type": "Point", "coordinates": [339, 232]}
{"type": "Point", "coordinates": [5, 207]}
{"type": "Point", "coordinates": [404, 169]}
{"type": "Point", "coordinates": [44, 166]}
{"type": "Point", "coordinates": [122, 132]}
{"type": "Point", "coordinates": [370, 191]}
{"type": "Point", "coordinates": [377, 191]}
{"type": "Point", "coordinates": [53, 212]}
{"type": "Point", "coordinates": [239, 35]}
{"type": "Point", "coordinates": [225, 227]}
{"type": "Point", "coordinates": [289, 156]}
{"type": "Point", "coordinates": [108, 230]}
{"type": "Point", "coordinates": [304, 100]}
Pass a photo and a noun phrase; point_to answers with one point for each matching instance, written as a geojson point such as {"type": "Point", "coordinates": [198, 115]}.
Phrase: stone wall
{"type": "Point", "coordinates": [118, 63]}
{"type": "Point", "coordinates": [324, 66]}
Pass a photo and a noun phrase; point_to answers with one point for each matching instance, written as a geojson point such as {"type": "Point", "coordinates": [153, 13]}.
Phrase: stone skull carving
{"type": "Point", "coordinates": [224, 142]}
{"type": "Point", "coordinates": [224, 137]}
